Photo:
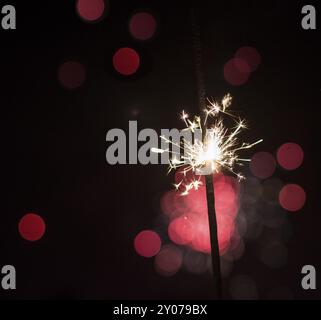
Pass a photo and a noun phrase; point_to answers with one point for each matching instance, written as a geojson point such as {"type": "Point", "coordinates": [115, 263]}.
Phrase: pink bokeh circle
{"type": "Point", "coordinates": [262, 165]}
{"type": "Point", "coordinates": [142, 26]}
{"type": "Point", "coordinates": [236, 71]}
{"type": "Point", "coordinates": [292, 197]}
{"type": "Point", "coordinates": [147, 243]}
{"type": "Point", "coordinates": [91, 10]}
{"type": "Point", "coordinates": [290, 156]}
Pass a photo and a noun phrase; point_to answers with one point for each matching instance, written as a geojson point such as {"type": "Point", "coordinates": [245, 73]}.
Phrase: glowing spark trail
{"type": "Point", "coordinates": [219, 150]}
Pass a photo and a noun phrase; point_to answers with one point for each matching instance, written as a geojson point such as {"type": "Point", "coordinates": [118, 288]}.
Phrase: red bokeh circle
{"type": "Point", "coordinates": [71, 74]}
{"type": "Point", "coordinates": [181, 230]}
{"type": "Point", "coordinates": [290, 156]}
{"type": "Point", "coordinates": [169, 260]}
{"type": "Point", "coordinates": [250, 55]}
{"type": "Point", "coordinates": [236, 72]}
{"type": "Point", "coordinates": [262, 165]}
{"type": "Point", "coordinates": [292, 197]}
{"type": "Point", "coordinates": [126, 61]}
{"type": "Point", "coordinates": [91, 10]}
{"type": "Point", "coordinates": [142, 26]}
{"type": "Point", "coordinates": [147, 243]}
{"type": "Point", "coordinates": [32, 227]}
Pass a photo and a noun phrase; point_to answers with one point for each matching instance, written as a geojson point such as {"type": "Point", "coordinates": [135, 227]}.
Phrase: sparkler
{"type": "Point", "coordinates": [217, 149]}
{"type": "Point", "coordinates": [218, 152]}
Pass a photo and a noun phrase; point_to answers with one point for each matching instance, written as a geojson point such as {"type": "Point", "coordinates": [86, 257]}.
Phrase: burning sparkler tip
{"type": "Point", "coordinates": [218, 151]}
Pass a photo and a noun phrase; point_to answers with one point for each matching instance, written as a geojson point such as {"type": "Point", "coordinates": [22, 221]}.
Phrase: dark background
{"type": "Point", "coordinates": [53, 140]}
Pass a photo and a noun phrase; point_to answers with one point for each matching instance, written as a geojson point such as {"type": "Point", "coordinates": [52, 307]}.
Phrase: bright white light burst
{"type": "Point", "coordinates": [219, 150]}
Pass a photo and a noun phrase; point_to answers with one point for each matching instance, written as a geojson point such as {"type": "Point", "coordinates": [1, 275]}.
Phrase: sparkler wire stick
{"type": "Point", "coordinates": [209, 185]}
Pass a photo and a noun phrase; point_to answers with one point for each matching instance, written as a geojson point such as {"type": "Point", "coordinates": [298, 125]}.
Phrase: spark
{"type": "Point", "coordinates": [184, 116]}
{"type": "Point", "coordinates": [218, 151]}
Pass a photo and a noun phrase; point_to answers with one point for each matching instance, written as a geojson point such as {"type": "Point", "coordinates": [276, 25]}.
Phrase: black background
{"type": "Point", "coordinates": [53, 140]}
